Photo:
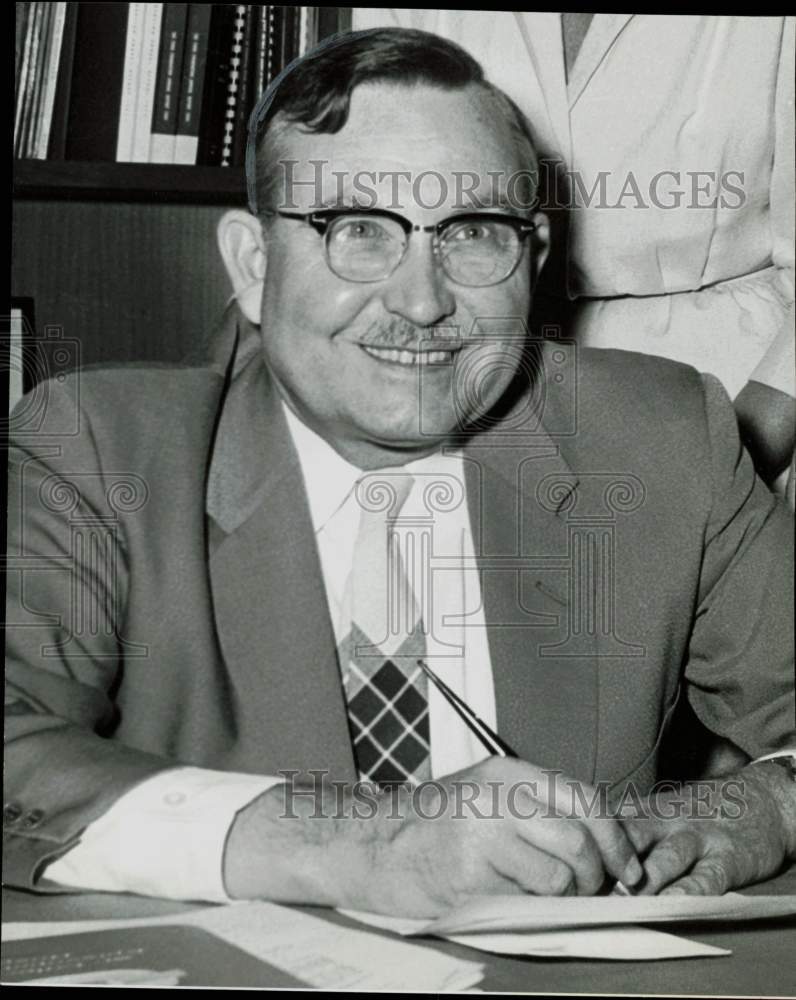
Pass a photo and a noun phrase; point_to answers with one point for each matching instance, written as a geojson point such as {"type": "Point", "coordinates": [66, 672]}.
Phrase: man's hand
{"type": "Point", "coordinates": [714, 836]}
{"type": "Point", "coordinates": [502, 826]}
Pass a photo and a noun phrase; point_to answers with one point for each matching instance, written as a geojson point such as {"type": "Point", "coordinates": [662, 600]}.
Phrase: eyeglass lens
{"type": "Point", "coordinates": [472, 252]}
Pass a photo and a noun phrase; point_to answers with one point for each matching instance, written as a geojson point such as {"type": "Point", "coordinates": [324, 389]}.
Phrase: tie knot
{"type": "Point", "coordinates": [381, 495]}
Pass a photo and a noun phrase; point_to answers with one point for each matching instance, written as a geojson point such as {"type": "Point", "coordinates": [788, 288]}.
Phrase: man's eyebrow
{"type": "Point", "coordinates": [344, 203]}
{"type": "Point", "coordinates": [476, 203]}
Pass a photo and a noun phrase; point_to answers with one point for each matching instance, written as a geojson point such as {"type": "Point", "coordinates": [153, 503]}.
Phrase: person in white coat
{"type": "Point", "coordinates": [673, 139]}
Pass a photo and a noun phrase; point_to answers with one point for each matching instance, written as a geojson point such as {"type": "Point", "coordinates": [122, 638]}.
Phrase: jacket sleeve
{"type": "Point", "coordinates": [740, 665]}
{"type": "Point", "coordinates": [66, 588]}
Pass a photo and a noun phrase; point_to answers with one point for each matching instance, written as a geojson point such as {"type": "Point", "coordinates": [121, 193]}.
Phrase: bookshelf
{"type": "Point", "coordinates": [122, 256]}
{"type": "Point", "coordinates": [48, 179]}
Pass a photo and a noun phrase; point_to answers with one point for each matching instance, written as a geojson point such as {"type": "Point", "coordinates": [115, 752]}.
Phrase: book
{"type": "Point", "coordinates": [261, 57]}
{"type": "Point", "coordinates": [42, 43]}
{"type": "Point", "coordinates": [96, 81]}
{"type": "Point", "coordinates": [132, 68]}
{"type": "Point", "coordinates": [165, 108]}
{"type": "Point", "coordinates": [214, 98]}
{"type": "Point", "coordinates": [52, 62]}
{"type": "Point", "coordinates": [271, 46]}
{"type": "Point", "coordinates": [170, 955]}
{"type": "Point", "coordinates": [147, 78]}
{"type": "Point", "coordinates": [246, 85]}
{"type": "Point", "coordinates": [197, 35]}
{"type": "Point", "coordinates": [27, 78]}
{"type": "Point", "coordinates": [236, 89]}
{"type": "Point", "coordinates": [63, 86]}
{"type": "Point", "coordinates": [20, 33]}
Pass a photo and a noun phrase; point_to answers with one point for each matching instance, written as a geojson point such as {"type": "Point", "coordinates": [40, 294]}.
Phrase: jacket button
{"type": "Point", "coordinates": [11, 812]}
{"type": "Point", "coordinates": [33, 818]}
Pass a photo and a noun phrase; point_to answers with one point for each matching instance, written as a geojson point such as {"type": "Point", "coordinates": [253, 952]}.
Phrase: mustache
{"type": "Point", "coordinates": [401, 335]}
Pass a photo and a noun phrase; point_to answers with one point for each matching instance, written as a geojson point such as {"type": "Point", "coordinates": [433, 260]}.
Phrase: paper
{"type": "Point", "coordinates": [323, 954]}
{"type": "Point", "coordinates": [617, 943]}
{"type": "Point", "coordinates": [536, 913]}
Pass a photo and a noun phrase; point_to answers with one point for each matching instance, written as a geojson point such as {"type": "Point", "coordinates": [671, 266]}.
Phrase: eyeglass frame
{"type": "Point", "coordinates": [321, 219]}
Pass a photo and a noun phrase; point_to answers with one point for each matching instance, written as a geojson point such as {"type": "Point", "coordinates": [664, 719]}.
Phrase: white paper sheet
{"type": "Point", "coordinates": [622, 943]}
{"type": "Point", "coordinates": [536, 913]}
{"type": "Point", "coordinates": [323, 954]}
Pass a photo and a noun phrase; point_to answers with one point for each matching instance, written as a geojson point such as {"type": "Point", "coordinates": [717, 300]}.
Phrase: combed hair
{"type": "Point", "coordinates": [314, 92]}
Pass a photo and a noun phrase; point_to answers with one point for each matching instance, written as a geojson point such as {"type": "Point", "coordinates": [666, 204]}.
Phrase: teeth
{"type": "Point", "coordinates": [409, 358]}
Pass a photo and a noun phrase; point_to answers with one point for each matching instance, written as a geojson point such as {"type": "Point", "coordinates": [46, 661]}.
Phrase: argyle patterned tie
{"type": "Point", "coordinates": [386, 692]}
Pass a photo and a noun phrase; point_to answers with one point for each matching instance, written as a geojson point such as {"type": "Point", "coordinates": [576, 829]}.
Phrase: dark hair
{"type": "Point", "coordinates": [315, 91]}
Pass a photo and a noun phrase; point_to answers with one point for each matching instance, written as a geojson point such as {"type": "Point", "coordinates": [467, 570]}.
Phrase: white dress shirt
{"type": "Point", "coordinates": [166, 836]}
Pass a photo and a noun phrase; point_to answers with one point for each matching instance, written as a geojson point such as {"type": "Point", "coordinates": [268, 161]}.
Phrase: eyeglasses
{"type": "Point", "coordinates": [476, 249]}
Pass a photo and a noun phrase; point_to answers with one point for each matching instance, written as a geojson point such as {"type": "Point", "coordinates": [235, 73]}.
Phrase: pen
{"type": "Point", "coordinates": [488, 737]}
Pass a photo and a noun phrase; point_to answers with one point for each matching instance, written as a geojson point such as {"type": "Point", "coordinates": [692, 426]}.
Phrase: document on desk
{"type": "Point", "coordinates": [322, 954]}
{"type": "Point", "coordinates": [586, 927]}
{"type": "Point", "coordinates": [538, 913]}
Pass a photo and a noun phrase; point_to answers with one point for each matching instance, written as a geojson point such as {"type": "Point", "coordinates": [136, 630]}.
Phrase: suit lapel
{"type": "Point", "coordinates": [270, 604]}
{"type": "Point", "coordinates": [603, 32]}
{"type": "Point", "coordinates": [519, 491]}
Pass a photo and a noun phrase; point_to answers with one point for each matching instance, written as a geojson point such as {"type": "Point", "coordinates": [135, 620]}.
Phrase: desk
{"type": "Point", "coordinates": [763, 962]}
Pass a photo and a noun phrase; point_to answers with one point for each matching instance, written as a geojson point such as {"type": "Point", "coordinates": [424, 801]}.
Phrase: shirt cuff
{"type": "Point", "coordinates": [163, 838]}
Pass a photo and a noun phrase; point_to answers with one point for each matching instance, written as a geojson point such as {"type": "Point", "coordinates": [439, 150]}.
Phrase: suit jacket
{"type": "Point", "coordinates": [166, 603]}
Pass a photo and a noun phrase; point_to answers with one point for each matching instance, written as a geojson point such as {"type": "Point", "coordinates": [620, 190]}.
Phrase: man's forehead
{"type": "Point", "coordinates": [404, 146]}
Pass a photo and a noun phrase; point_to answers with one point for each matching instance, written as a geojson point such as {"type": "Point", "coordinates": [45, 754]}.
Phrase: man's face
{"type": "Point", "coordinates": [353, 358]}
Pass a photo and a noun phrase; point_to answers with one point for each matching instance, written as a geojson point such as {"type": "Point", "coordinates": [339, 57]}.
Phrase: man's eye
{"type": "Point", "coordinates": [360, 230]}
{"type": "Point", "coordinates": [470, 232]}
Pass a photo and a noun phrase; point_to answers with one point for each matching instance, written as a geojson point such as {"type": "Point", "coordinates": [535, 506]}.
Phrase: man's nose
{"type": "Point", "coordinates": [418, 289]}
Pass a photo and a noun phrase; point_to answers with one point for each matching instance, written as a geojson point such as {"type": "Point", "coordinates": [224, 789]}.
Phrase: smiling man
{"type": "Point", "coordinates": [384, 468]}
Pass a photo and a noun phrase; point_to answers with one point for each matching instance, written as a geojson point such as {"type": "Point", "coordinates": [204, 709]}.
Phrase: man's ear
{"type": "Point", "coordinates": [240, 240]}
{"type": "Point", "coordinates": [540, 243]}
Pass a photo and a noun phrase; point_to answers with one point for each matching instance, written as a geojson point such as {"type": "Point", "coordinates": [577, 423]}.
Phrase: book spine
{"type": "Point", "coordinates": [99, 55]}
{"type": "Point", "coordinates": [261, 62]}
{"type": "Point", "coordinates": [236, 90]}
{"type": "Point", "coordinates": [50, 79]}
{"type": "Point", "coordinates": [164, 111]}
{"type": "Point", "coordinates": [29, 98]}
{"type": "Point", "coordinates": [63, 87]}
{"type": "Point", "coordinates": [287, 37]}
{"type": "Point", "coordinates": [197, 37]}
{"type": "Point", "coordinates": [214, 102]}
{"type": "Point", "coordinates": [20, 33]}
{"type": "Point", "coordinates": [309, 30]}
{"type": "Point", "coordinates": [45, 41]}
{"type": "Point", "coordinates": [25, 83]}
{"type": "Point", "coordinates": [272, 43]}
{"type": "Point", "coordinates": [147, 78]}
{"type": "Point", "coordinates": [132, 69]}
{"type": "Point", "coordinates": [247, 71]}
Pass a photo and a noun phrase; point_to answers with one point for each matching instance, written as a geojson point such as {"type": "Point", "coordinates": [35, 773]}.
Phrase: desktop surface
{"type": "Point", "coordinates": [763, 960]}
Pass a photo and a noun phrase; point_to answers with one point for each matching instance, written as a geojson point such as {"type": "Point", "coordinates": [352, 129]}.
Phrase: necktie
{"type": "Point", "coordinates": [386, 692]}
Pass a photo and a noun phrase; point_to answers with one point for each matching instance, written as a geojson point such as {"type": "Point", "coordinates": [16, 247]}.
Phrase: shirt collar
{"type": "Point", "coordinates": [329, 478]}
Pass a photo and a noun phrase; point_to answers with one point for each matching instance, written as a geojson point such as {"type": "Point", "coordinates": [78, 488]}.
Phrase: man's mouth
{"type": "Point", "coordinates": [409, 358]}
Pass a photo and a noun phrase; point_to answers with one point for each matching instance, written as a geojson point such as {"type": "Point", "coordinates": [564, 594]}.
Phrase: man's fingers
{"type": "Point", "coordinates": [580, 808]}
{"type": "Point", "coordinates": [569, 841]}
{"type": "Point", "coordinates": [670, 859]}
{"type": "Point", "coordinates": [533, 870]}
{"type": "Point", "coordinates": [708, 877]}
{"type": "Point", "coordinates": [642, 833]}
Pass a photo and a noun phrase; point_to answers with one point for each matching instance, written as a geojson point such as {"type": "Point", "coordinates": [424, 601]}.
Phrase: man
{"type": "Point", "coordinates": [198, 610]}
